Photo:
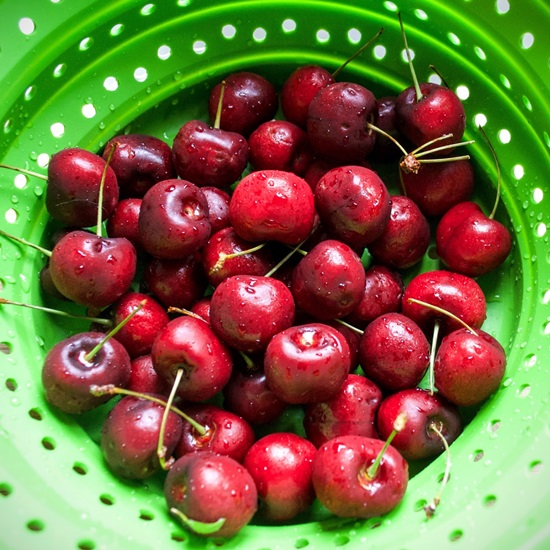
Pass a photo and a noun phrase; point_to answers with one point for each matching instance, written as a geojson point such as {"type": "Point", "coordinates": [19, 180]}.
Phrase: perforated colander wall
{"type": "Point", "coordinates": [75, 73]}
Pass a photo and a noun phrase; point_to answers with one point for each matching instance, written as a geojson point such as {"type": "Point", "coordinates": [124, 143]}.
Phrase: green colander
{"type": "Point", "coordinates": [77, 72]}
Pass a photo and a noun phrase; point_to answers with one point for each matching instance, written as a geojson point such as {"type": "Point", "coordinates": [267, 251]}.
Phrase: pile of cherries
{"type": "Point", "coordinates": [258, 264]}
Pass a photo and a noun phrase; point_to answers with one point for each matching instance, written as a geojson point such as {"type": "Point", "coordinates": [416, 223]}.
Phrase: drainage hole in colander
{"type": "Point", "coordinates": [80, 468]}
{"type": "Point", "coordinates": [148, 9]}
{"type": "Point", "coordinates": [35, 525]}
{"type": "Point", "coordinates": [146, 515]}
{"type": "Point", "coordinates": [27, 26]}
{"type": "Point", "coordinates": [11, 384]}
{"type": "Point", "coordinates": [535, 467]}
{"type": "Point", "coordinates": [178, 537]}
{"type": "Point", "coordinates": [301, 543]}
{"type": "Point", "coordinates": [456, 535]}
{"type": "Point", "coordinates": [36, 413]}
{"type": "Point", "coordinates": [5, 489]}
{"type": "Point", "coordinates": [86, 545]}
{"type": "Point", "coordinates": [48, 443]}
{"type": "Point", "coordinates": [341, 540]}
{"type": "Point", "coordinates": [106, 499]}
{"type": "Point", "coordinates": [477, 455]}
{"type": "Point", "coordinates": [489, 501]}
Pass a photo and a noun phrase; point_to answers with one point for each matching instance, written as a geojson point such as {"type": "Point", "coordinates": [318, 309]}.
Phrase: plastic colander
{"type": "Point", "coordinates": [77, 72]}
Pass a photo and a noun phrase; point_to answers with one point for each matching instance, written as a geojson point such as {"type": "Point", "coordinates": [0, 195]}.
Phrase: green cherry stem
{"type": "Point", "coordinates": [285, 259]}
{"type": "Point", "coordinates": [499, 177]}
{"type": "Point", "coordinates": [24, 171]}
{"type": "Point", "coordinates": [199, 527]}
{"type": "Point", "coordinates": [217, 120]}
{"type": "Point", "coordinates": [20, 240]}
{"type": "Point", "coordinates": [430, 508]}
{"type": "Point", "coordinates": [417, 90]}
{"type": "Point", "coordinates": [161, 448]}
{"type": "Point", "coordinates": [435, 337]}
{"type": "Point", "coordinates": [356, 54]}
{"type": "Point", "coordinates": [101, 186]}
{"type": "Point", "coordinates": [351, 327]}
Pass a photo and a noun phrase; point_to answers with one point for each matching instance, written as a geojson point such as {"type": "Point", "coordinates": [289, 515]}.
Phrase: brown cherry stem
{"type": "Point", "coordinates": [430, 508]}
{"type": "Point", "coordinates": [24, 171]}
{"type": "Point", "coordinates": [223, 257]}
{"type": "Point", "coordinates": [183, 311]}
{"type": "Point", "coordinates": [217, 120]}
{"type": "Point", "coordinates": [436, 71]}
{"type": "Point", "coordinates": [356, 54]}
{"type": "Point", "coordinates": [499, 178]}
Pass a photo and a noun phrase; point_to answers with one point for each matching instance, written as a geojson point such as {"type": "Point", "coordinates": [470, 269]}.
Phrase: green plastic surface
{"type": "Point", "coordinates": [76, 72]}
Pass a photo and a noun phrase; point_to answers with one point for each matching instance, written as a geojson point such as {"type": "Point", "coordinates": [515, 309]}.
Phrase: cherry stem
{"type": "Point", "coordinates": [101, 186]}
{"type": "Point", "coordinates": [389, 136]}
{"type": "Point", "coordinates": [285, 259]}
{"type": "Point", "coordinates": [199, 527]}
{"type": "Point", "coordinates": [418, 92]}
{"type": "Point", "coordinates": [437, 149]}
{"type": "Point", "coordinates": [62, 313]}
{"type": "Point", "coordinates": [430, 508]}
{"type": "Point", "coordinates": [351, 327]}
{"type": "Point", "coordinates": [115, 390]}
{"type": "Point", "coordinates": [183, 311]}
{"type": "Point", "coordinates": [223, 257]}
{"type": "Point", "coordinates": [91, 354]}
{"type": "Point", "coordinates": [161, 448]}
{"type": "Point", "coordinates": [398, 425]}
{"type": "Point", "coordinates": [444, 312]}
{"type": "Point", "coordinates": [435, 337]}
{"type": "Point", "coordinates": [26, 243]}
{"type": "Point", "coordinates": [493, 152]}
{"type": "Point", "coordinates": [218, 118]}
{"type": "Point", "coordinates": [25, 171]}
{"type": "Point", "coordinates": [248, 362]}
{"type": "Point", "coordinates": [356, 54]}
{"type": "Point", "coordinates": [436, 71]}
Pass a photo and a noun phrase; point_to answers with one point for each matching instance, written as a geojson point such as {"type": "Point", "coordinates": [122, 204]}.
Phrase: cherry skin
{"type": "Point", "coordinates": [130, 434]}
{"type": "Point", "coordinates": [207, 487]}
{"type": "Point", "coordinates": [72, 192]}
{"type": "Point", "coordinates": [383, 293]}
{"type": "Point", "coordinates": [438, 112]}
{"type": "Point", "coordinates": [337, 122]}
{"type": "Point", "coordinates": [218, 207]}
{"type": "Point", "coordinates": [175, 283]}
{"type": "Point", "coordinates": [272, 205]}
{"type": "Point", "coordinates": [351, 412]}
{"type": "Point", "coordinates": [202, 308]}
{"type": "Point", "coordinates": [145, 379]}
{"type": "Point", "coordinates": [280, 464]}
{"type": "Point", "coordinates": [249, 99]}
{"type": "Point", "coordinates": [189, 344]}
{"type": "Point", "coordinates": [246, 311]}
{"type": "Point", "coordinates": [439, 186]}
{"type": "Point", "coordinates": [139, 161]}
{"type": "Point", "coordinates": [329, 281]}
{"type": "Point", "coordinates": [92, 271]}
{"type": "Point", "coordinates": [342, 484]}
{"type": "Point", "coordinates": [139, 333]}
{"type": "Point", "coordinates": [453, 292]}
{"type": "Point", "coordinates": [68, 375]}
{"type": "Point", "coordinates": [225, 243]}
{"type": "Point", "coordinates": [384, 148]}
{"type": "Point", "coordinates": [307, 363]}
{"type": "Point", "coordinates": [299, 89]}
{"type": "Point", "coordinates": [173, 220]}
{"type": "Point", "coordinates": [470, 242]}
{"type": "Point", "coordinates": [226, 433]}
{"type": "Point", "coordinates": [394, 352]}
{"type": "Point", "coordinates": [469, 367]}
{"type": "Point", "coordinates": [405, 238]}
{"type": "Point", "coordinates": [353, 204]}
{"type": "Point", "coordinates": [280, 145]}
{"type": "Point", "coordinates": [424, 410]}
{"type": "Point", "coordinates": [210, 156]}
{"type": "Point", "coordinates": [123, 222]}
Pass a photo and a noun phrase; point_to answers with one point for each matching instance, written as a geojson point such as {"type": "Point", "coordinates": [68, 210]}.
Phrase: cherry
{"type": "Point", "coordinates": [307, 363]}
{"type": "Point", "coordinates": [74, 179]}
{"type": "Point", "coordinates": [469, 366]}
{"type": "Point", "coordinates": [91, 270]}
{"type": "Point", "coordinates": [173, 219]}
{"type": "Point", "coordinates": [329, 281]}
{"type": "Point", "coordinates": [218, 207]}
{"type": "Point", "coordinates": [280, 145]}
{"type": "Point", "coordinates": [73, 365]}
{"type": "Point", "coordinates": [359, 477]}
{"type": "Point", "coordinates": [452, 292]}
{"type": "Point", "coordinates": [383, 293]}
{"type": "Point", "coordinates": [246, 311]}
{"type": "Point", "coordinates": [394, 352]}
{"type": "Point", "coordinates": [248, 395]}
{"type": "Point", "coordinates": [351, 412]}
{"type": "Point", "coordinates": [213, 495]}
{"type": "Point", "coordinates": [226, 254]}
{"type": "Point", "coordinates": [384, 148]}
{"type": "Point", "coordinates": [175, 283]}
{"type": "Point", "coordinates": [405, 238]}
{"type": "Point", "coordinates": [249, 99]}
{"type": "Point", "coordinates": [130, 434]}
{"type": "Point", "coordinates": [208, 155]}
{"type": "Point", "coordinates": [272, 205]}
{"type": "Point", "coordinates": [202, 308]}
{"type": "Point", "coordinates": [145, 379]}
{"type": "Point", "coordinates": [123, 222]}
{"type": "Point", "coordinates": [439, 186]}
{"type": "Point", "coordinates": [424, 410]}
{"type": "Point", "coordinates": [280, 464]}
{"type": "Point", "coordinates": [139, 161]}
{"type": "Point", "coordinates": [225, 432]}
{"type": "Point", "coordinates": [138, 334]}
{"type": "Point", "coordinates": [188, 344]}
{"type": "Point", "coordinates": [337, 122]}
{"type": "Point", "coordinates": [353, 204]}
